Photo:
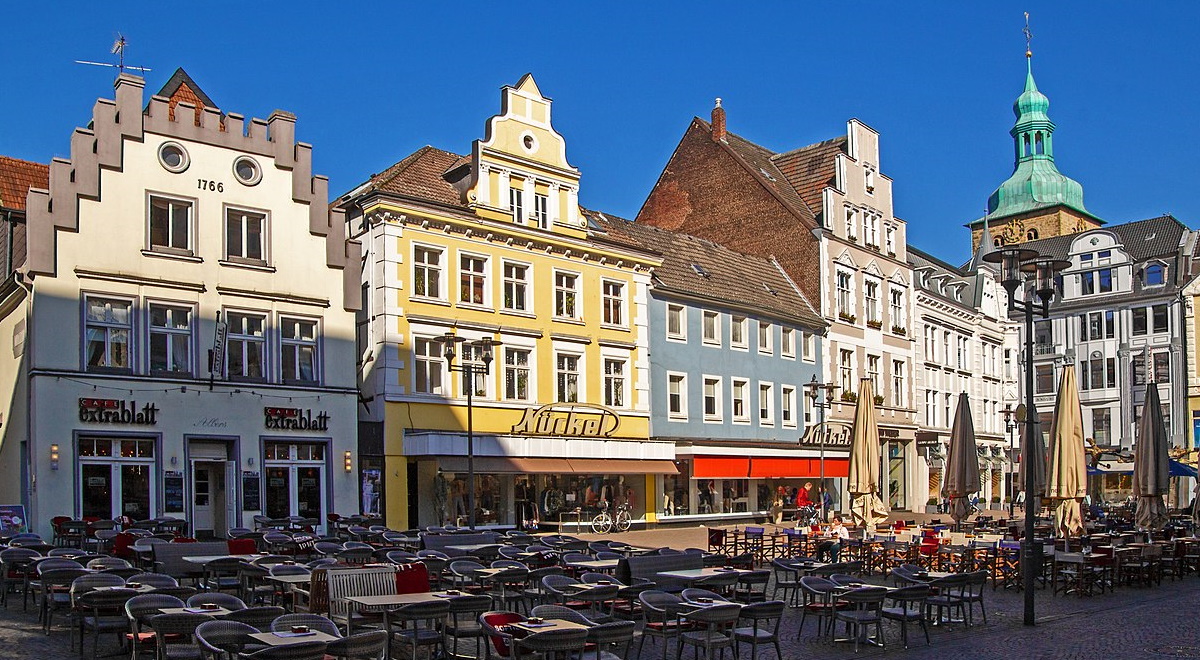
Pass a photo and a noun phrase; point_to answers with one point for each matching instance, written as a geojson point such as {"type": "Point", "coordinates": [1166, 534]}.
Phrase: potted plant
{"type": "Point", "coordinates": [847, 317]}
{"type": "Point", "coordinates": [849, 397]}
{"type": "Point", "coordinates": [899, 330]}
{"type": "Point", "coordinates": [879, 399]}
{"type": "Point", "coordinates": [875, 324]}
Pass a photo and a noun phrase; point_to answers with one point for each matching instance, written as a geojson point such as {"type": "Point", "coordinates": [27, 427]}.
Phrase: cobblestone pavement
{"type": "Point", "coordinates": [1130, 622]}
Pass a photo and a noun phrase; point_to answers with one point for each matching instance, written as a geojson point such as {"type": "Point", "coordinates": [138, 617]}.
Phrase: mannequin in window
{"type": "Point", "coordinates": [440, 491]}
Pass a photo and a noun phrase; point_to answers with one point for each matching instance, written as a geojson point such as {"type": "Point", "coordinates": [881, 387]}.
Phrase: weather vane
{"type": "Point", "coordinates": [1028, 37]}
{"type": "Point", "coordinates": [118, 49]}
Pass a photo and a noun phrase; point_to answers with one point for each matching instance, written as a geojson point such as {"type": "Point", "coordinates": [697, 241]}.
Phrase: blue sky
{"type": "Point", "coordinates": [372, 83]}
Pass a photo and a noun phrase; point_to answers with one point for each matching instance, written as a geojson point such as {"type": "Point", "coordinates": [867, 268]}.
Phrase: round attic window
{"type": "Point", "coordinates": [247, 171]}
{"type": "Point", "coordinates": [529, 142]}
{"type": "Point", "coordinates": [173, 157]}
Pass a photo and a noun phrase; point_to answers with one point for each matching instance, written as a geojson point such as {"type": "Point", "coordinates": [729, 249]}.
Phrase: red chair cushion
{"type": "Point", "coordinates": [412, 578]}
{"type": "Point", "coordinates": [242, 547]}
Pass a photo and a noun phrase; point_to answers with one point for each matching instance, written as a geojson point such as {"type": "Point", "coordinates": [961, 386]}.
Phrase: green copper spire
{"type": "Point", "coordinates": [1036, 182]}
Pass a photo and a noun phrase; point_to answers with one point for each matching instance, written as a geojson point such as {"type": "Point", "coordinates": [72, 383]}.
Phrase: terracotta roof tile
{"type": "Point", "coordinates": [17, 177]}
{"type": "Point", "coordinates": [422, 176]}
{"type": "Point", "coordinates": [810, 169]}
{"type": "Point", "coordinates": [723, 276]}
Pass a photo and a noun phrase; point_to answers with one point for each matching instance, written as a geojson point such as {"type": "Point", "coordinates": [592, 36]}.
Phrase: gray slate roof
{"type": "Point", "coordinates": [1142, 239]}
{"type": "Point", "coordinates": [724, 276]}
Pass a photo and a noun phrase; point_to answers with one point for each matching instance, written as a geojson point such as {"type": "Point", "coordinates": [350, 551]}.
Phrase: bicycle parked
{"type": "Point", "coordinates": [606, 522]}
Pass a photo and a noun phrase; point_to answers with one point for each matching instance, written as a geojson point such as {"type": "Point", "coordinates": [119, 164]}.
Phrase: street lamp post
{"type": "Point", "coordinates": [1010, 423]}
{"type": "Point", "coordinates": [813, 390]}
{"type": "Point", "coordinates": [1016, 264]}
{"type": "Point", "coordinates": [480, 365]}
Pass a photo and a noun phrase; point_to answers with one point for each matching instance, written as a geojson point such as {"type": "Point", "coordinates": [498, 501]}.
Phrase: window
{"type": "Point", "coordinates": [676, 327]}
{"type": "Point", "coordinates": [889, 239]}
{"type": "Point", "coordinates": [106, 337]}
{"type": "Point", "coordinates": [116, 477]}
{"type": "Point", "coordinates": [173, 157]}
{"type": "Point", "coordinates": [472, 279]}
{"type": "Point", "coordinates": [427, 272]}
{"type": "Point", "coordinates": [787, 405]}
{"type": "Point", "coordinates": [1155, 318]}
{"type": "Point", "coordinates": [962, 352]}
{"type": "Point", "coordinates": [1102, 426]}
{"type": "Point", "coordinates": [567, 377]}
{"type": "Point", "coordinates": [764, 338]}
{"type": "Point", "coordinates": [613, 302]}
{"type": "Point", "coordinates": [170, 339]}
{"type": "Point", "coordinates": [541, 214]}
{"type": "Point", "coordinates": [1096, 281]}
{"type": "Point", "coordinates": [1008, 364]}
{"type": "Point", "coordinates": [740, 403]}
{"type": "Point", "coordinates": [712, 399]}
{"type": "Point", "coordinates": [897, 308]}
{"type": "Point", "coordinates": [1043, 375]}
{"type": "Point", "coordinates": [614, 383]}
{"type": "Point", "coordinates": [846, 368]}
{"type": "Point", "coordinates": [516, 287]}
{"type": "Point", "coordinates": [844, 302]}
{"type": "Point", "coordinates": [516, 202]}
{"type": "Point", "coordinates": [712, 328]}
{"type": "Point", "coordinates": [871, 301]}
{"type": "Point", "coordinates": [873, 374]}
{"type": "Point", "coordinates": [246, 346]}
{"type": "Point", "coordinates": [427, 366]}
{"type": "Point", "coordinates": [869, 179]}
{"type": "Point", "coordinates": [946, 347]}
{"type": "Point", "coordinates": [787, 345]}
{"type": "Point", "coordinates": [1097, 373]}
{"type": "Point", "coordinates": [247, 171]}
{"type": "Point", "coordinates": [1155, 275]}
{"type": "Point", "coordinates": [1137, 365]}
{"type": "Point", "coordinates": [898, 383]}
{"type": "Point", "coordinates": [677, 395]}
{"type": "Point", "coordinates": [516, 374]}
{"type": "Point", "coordinates": [808, 342]}
{"type": "Point", "coordinates": [851, 224]}
{"type": "Point", "coordinates": [766, 404]}
{"type": "Point", "coordinates": [930, 343]}
{"type": "Point", "coordinates": [931, 407]}
{"type": "Point", "coordinates": [170, 225]}
{"type": "Point", "coordinates": [298, 349]}
{"type": "Point", "coordinates": [1162, 367]}
{"type": "Point", "coordinates": [1097, 325]}
{"type": "Point", "coordinates": [948, 408]}
{"type": "Point", "coordinates": [737, 331]}
{"type": "Point", "coordinates": [245, 232]}
{"type": "Point", "coordinates": [473, 354]}
{"type": "Point", "coordinates": [871, 229]}
{"type": "Point", "coordinates": [566, 294]}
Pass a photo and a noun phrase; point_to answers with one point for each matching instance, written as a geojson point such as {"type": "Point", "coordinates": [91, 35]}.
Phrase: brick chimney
{"type": "Point", "coordinates": [718, 122]}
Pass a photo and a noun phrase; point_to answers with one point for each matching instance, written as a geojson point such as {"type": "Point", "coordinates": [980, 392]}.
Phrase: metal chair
{"type": "Point", "coordinates": [226, 640]}
{"type": "Point", "coordinates": [862, 611]}
{"type": "Point", "coordinates": [418, 625]}
{"type": "Point", "coordinates": [368, 645]}
{"type": "Point", "coordinates": [549, 644]}
{"type": "Point", "coordinates": [763, 619]}
{"type": "Point", "coordinates": [908, 606]}
{"type": "Point", "coordinates": [312, 621]}
{"type": "Point", "coordinates": [711, 629]}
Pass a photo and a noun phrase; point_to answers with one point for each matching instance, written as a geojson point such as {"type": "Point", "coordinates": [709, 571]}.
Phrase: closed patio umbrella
{"type": "Point", "coordinates": [1037, 451]}
{"type": "Point", "coordinates": [962, 462]}
{"type": "Point", "coordinates": [1151, 464]}
{"type": "Point", "coordinates": [1066, 478]}
{"type": "Point", "coordinates": [866, 507]}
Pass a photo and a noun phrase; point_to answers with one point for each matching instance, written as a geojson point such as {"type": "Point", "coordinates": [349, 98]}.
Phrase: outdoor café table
{"type": "Point", "coordinates": [287, 638]}
{"type": "Point", "coordinates": [599, 565]}
{"type": "Point", "coordinates": [805, 567]}
{"type": "Point", "coordinates": [929, 576]}
{"type": "Point", "coordinates": [471, 547]}
{"type": "Point", "coordinates": [215, 612]}
{"type": "Point", "coordinates": [1083, 569]}
{"type": "Point", "coordinates": [205, 559]}
{"type": "Point", "coordinates": [388, 602]}
{"type": "Point", "coordinates": [290, 580]}
{"type": "Point", "coordinates": [141, 588]}
{"type": "Point", "coordinates": [692, 574]}
{"type": "Point", "coordinates": [525, 628]}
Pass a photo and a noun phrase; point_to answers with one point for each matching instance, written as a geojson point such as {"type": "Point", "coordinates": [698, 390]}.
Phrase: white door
{"type": "Point", "coordinates": [233, 514]}
{"type": "Point", "coordinates": [202, 499]}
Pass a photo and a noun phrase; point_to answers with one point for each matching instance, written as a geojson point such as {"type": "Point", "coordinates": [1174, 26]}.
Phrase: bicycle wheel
{"type": "Point", "coordinates": [602, 523]}
{"type": "Point", "coordinates": [622, 522]}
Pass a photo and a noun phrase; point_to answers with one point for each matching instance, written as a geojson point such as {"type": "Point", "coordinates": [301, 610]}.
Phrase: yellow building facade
{"type": "Point", "coordinates": [493, 247]}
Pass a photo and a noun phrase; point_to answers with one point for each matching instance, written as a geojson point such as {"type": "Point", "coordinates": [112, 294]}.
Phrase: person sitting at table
{"type": "Point", "coordinates": [831, 547]}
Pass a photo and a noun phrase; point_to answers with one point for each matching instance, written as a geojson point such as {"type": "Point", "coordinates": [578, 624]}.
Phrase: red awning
{"type": "Point", "coordinates": [720, 467]}
{"type": "Point", "coordinates": [782, 468]}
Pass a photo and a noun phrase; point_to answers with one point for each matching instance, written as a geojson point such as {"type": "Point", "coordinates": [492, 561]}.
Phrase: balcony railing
{"type": "Point", "coordinates": [1045, 349]}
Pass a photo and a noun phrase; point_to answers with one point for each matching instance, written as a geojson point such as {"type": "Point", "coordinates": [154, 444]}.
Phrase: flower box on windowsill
{"type": "Point", "coordinates": [849, 397]}
{"type": "Point", "coordinates": [879, 399]}
{"type": "Point", "coordinates": [899, 330]}
{"type": "Point", "coordinates": [848, 318]}
{"type": "Point", "coordinates": [875, 324]}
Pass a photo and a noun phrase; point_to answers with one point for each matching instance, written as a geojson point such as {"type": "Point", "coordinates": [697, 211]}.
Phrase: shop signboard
{"type": "Point", "coordinates": [117, 411]}
{"type": "Point", "coordinates": [12, 518]}
{"type": "Point", "coordinates": [833, 435]}
{"type": "Point", "coordinates": [251, 491]}
{"type": "Point", "coordinates": [295, 419]}
{"type": "Point", "coordinates": [577, 420]}
{"type": "Point", "coordinates": [172, 491]}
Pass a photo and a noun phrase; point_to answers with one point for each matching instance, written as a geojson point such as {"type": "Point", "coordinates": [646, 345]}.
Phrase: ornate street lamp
{"type": "Point", "coordinates": [813, 390]}
{"type": "Point", "coordinates": [1011, 417]}
{"type": "Point", "coordinates": [481, 356]}
{"type": "Point", "coordinates": [1016, 266]}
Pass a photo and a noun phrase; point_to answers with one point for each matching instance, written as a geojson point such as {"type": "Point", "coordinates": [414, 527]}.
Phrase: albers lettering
{"type": "Point", "coordinates": [116, 411]}
{"type": "Point", "coordinates": [295, 419]}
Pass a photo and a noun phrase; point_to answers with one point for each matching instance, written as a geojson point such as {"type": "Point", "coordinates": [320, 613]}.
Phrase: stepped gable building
{"type": "Point", "coordinates": [732, 343]}
{"type": "Point", "coordinates": [493, 245]}
{"type": "Point", "coordinates": [824, 212]}
{"type": "Point", "coordinates": [175, 227]}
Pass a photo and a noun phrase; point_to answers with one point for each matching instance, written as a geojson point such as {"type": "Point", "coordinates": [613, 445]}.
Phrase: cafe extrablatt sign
{"type": "Point", "coordinates": [116, 411]}
{"type": "Point", "coordinates": [295, 419]}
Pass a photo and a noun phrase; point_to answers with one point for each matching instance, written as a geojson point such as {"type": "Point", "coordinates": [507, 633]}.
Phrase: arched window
{"type": "Point", "coordinates": [1025, 151]}
{"type": "Point", "coordinates": [1039, 145]}
{"type": "Point", "coordinates": [997, 242]}
{"type": "Point", "coordinates": [1031, 235]}
{"type": "Point", "coordinates": [1155, 275]}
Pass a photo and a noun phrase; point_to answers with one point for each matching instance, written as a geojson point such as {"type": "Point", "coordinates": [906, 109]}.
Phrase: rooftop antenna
{"type": "Point", "coordinates": [118, 49]}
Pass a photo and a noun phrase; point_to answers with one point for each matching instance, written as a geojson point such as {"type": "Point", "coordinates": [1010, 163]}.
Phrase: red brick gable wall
{"type": "Point", "coordinates": [186, 95]}
{"type": "Point", "coordinates": [706, 192]}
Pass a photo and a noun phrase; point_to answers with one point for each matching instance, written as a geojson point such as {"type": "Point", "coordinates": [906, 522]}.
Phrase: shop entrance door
{"type": "Point", "coordinates": [209, 499]}
{"type": "Point", "coordinates": [897, 484]}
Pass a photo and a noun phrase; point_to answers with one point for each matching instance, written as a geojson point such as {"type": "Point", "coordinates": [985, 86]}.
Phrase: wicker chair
{"type": "Point", "coordinates": [561, 613]}
{"type": "Point", "coordinates": [462, 622]}
{"type": "Point", "coordinates": [312, 621]}
{"type": "Point", "coordinates": [418, 625]}
{"type": "Point", "coordinates": [301, 651]}
{"type": "Point", "coordinates": [362, 646]}
{"type": "Point", "coordinates": [257, 617]}
{"type": "Point", "coordinates": [226, 640]}
{"type": "Point", "coordinates": [499, 640]}
{"type": "Point", "coordinates": [549, 644]}
{"type": "Point", "coordinates": [138, 611]}
{"type": "Point", "coordinates": [175, 633]}
{"type": "Point", "coordinates": [908, 606]}
{"type": "Point", "coordinates": [661, 613]}
{"type": "Point", "coordinates": [762, 626]}
{"type": "Point", "coordinates": [101, 612]}
{"type": "Point", "coordinates": [228, 601]}
{"type": "Point", "coordinates": [711, 629]}
{"type": "Point", "coordinates": [610, 641]}
{"type": "Point", "coordinates": [156, 580]}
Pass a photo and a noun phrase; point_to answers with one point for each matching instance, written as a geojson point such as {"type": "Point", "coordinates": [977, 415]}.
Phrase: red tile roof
{"type": "Point", "coordinates": [422, 175]}
{"type": "Point", "coordinates": [810, 169]}
{"type": "Point", "coordinates": [17, 177]}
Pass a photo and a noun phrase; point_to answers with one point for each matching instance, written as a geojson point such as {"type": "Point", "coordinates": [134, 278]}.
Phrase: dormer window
{"type": "Point", "coordinates": [1154, 275]}
{"type": "Point", "coordinates": [1031, 235]}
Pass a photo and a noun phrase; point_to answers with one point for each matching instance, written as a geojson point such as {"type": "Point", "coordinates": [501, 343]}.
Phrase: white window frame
{"type": "Point", "coordinates": [851, 224]}
{"type": "Point", "coordinates": [739, 325]}
{"type": "Point", "coordinates": [871, 307]}
{"type": "Point", "coordinates": [515, 368]}
{"type": "Point", "coordinates": [741, 385]}
{"type": "Point", "coordinates": [561, 291]}
{"type": "Point", "coordinates": [314, 344]}
{"type": "Point", "coordinates": [766, 333]}
{"type": "Point", "coordinates": [680, 414]}
{"type": "Point", "coordinates": [483, 276]}
{"type": "Point", "coordinates": [710, 319]}
{"type": "Point", "coordinates": [109, 327]}
{"type": "Point", "coordinates": [435, 273]}
{"type": "Point", "coordinates": [787, 406]}
{"type": "Point", "coordinates": [170, 333]}
{"type": "Point", "coordinates": [516, 203]}
{"type": "Point", "coordinates": [513, 284]}
{"type": "Point", "coordinates": [898, 383]}
{"type": "Point", "coordinates": [483, 387]}
{"type": "Point", "coordinates": [190, 250]}
{"type": "Point", "coordinates": [611, 379]}
{"type": "Point", "coordinates": [844, 296]}
{"type": "Point", "coordinates": [265, 348]}
{"type": "Point", "coordinates": [541, 210]}
{"type": "Point", "coordinates": [264, 230]}
{"type": "Point", "coordinates": [609, 303]}
{"type": "Point", "coordinates": [846, 369]}
{"type": "Point", "coordinates": [432, 363]}
{"type": "Point", "coordinates": [787, 342]}
{"type": "Point", "coordinates": [766, 410]}
{"type": "Point", "coordinates": [717, 416]}
{"type": "Point", "coordinates": [560, 374]}
{"type": "Point", "coordinates": [896, 306]}
{"type": "Point", "coordinates": [808, 346]}
{"type": "Point", "coordinates": [679, 333]}
{"type": "Point", "coordinates": [874, 363]}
